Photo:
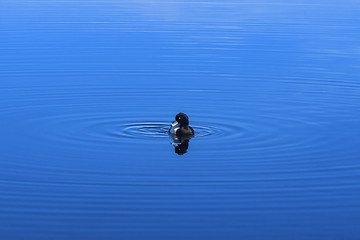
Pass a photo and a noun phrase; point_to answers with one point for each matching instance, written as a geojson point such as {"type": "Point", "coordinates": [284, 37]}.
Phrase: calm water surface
{"type": "Point", "coordinates": [89, 88]}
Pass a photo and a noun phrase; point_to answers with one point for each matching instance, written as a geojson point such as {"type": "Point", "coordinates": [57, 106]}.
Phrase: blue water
{"type": "Point", "coordinates": [89, 88]}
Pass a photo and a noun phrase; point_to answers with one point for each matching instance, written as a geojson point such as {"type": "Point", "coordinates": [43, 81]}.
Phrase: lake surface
{"type": "Point", "coordinates": [88, 90]}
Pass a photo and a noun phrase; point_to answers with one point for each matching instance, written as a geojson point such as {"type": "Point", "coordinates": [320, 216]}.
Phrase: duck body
{"type": "Point", "coordinates": [180, 127]}
{"type": "Point", "coordinates": [185, 132]}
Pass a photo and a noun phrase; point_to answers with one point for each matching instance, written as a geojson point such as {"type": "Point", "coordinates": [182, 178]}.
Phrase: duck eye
{"type": "Point", "coordinates": [179, 118]}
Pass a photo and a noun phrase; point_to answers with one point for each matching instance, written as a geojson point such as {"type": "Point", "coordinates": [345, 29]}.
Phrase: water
{"type": "Point", "coordinates": [89, 88]}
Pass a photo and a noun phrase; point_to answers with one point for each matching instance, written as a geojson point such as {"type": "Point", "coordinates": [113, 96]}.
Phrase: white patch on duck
{"type": "Point", "coordinates": [174, 127]}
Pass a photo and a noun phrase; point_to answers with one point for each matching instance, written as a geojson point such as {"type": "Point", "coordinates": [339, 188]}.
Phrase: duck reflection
{"type": "Point", "coordinates": [181, 144]}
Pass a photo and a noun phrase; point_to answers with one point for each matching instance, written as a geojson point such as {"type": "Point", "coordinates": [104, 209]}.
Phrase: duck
{"type": "Point", "coordinates": [180, 127]}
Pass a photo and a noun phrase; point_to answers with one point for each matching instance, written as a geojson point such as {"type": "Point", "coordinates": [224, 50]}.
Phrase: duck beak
{"type": "Point", "coordinates": [174, 123]}
{"type": "Point", "coordinates": [174, 144]}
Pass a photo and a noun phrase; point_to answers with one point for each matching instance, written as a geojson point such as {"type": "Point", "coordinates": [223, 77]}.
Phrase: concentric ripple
{"type": "Point", "coordinates": [161, 130]}
{"type": "Point", "coordinates": [111, 128]}
{"type": "Point", "coordinates": [117, 134]}
{"type": "Point", "coordinates": [74, 120]}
